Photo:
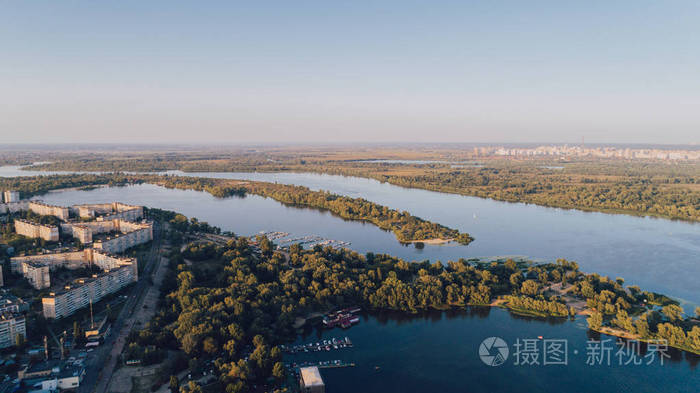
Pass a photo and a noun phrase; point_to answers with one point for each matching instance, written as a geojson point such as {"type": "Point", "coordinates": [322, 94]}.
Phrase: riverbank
{"type": "Point", "coordinates": [434, 241]}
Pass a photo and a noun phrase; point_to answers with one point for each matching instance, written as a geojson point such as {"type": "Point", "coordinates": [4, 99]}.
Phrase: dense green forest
{"type": "Point", "coordinates": [405, 226]}
{"type": "Point", "coordinates": [234, 304]}
{"type": "Point", "coordinates": [670, 190]}
{"type": "Point", "coordinates": [633, 311]}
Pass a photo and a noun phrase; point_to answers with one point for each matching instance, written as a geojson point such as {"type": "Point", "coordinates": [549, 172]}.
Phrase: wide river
{"type": "Point", "coordinates": [656, 254]}
{"type": "Point", "coordinates": [440, 353]}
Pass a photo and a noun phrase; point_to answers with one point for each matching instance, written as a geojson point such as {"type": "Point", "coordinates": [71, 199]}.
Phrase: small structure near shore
{"type": "Point", "coordinates": [310, 380]}
{"type": "Point", "coordinates": [343, 318]}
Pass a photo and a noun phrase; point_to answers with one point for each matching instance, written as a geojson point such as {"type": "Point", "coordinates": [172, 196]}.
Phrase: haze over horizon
{"type": "Point", "coordinates": [410, 71]}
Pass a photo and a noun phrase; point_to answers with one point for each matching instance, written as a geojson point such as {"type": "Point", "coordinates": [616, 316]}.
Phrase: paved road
{"type": "Point", "coordinates": [100, 366]}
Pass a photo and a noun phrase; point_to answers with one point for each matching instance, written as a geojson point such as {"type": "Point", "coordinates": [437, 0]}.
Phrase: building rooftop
{"type": "Point", "coordinates": [70, 371]}
{"type": "Point", "coordinates": [8, 299]}
{"type": "Point", "coordinates": [46, 365]}
{"type": "Point", "coordinates": [36, 223]}
{"type": "Point", "coordinates": [10, 315]}
{"type": "Point", "coordinates": [311, 376]}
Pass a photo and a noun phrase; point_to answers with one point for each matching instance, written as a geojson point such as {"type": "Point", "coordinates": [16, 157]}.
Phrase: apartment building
{"type": "Point", "coordinates": [37, 268]}
{"type": "Point", "coordinates": [14, 207]}
{"type": "Point", "coordinates": [37, 274]}
{"type": "Point", "coordinates": [12, 325]}
{"type": "Point", "coordinates": [10, 196]}
{"type": "Point", "coordinates": [36, 230]}
{"type": "Point", "coordinates": [85, 232]}
{"type": "Point", "coordinates": [44, 209]}
{"type": "Point", "coordinates": [10, 303]}
{"type": "Point", "coordinates": [110, 211]}
{"type": "Point", "coordinates": [74, 297]}
{"type": "Point", "coordinates": [136, 234]}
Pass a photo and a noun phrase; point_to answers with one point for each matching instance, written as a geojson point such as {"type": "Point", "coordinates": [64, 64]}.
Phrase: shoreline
{"type": "Point", "coordinates": [434, 241]}
{"type": "Point", "coordinates": [589, 209]}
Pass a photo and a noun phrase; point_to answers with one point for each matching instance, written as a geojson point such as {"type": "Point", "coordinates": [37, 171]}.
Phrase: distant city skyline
{"type": "Point", "coordinates": [318, 72]}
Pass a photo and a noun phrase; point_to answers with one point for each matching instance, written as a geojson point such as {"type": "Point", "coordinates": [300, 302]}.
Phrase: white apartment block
{"type": "Point", "coordinates": [112, 232]}
{"type": "Point", "coordinates": [137, 234]}
{"type": "Point", "coordinates": [110, 211]}
{"type": "Point", "coordinates": [10, 196]}
{"type": "Point", "coordinates": [37, 268]}
{"type": "Point", "coordinates": [38, 275]}
{"type": "Point", "coordinates": [11, 325]}
{"type": "Point", "coordinates": [14, 207]}
{"type": "Point", "coordinates": [70, 260]}
{"type": "Point", "coordinates": [85, 232]}
{"type": "Point", "coordinates": [49, 210]}
{"type": "Point", "coordinates": [36, 230]}
{"type": "Point", "coordinates": [72, 298]}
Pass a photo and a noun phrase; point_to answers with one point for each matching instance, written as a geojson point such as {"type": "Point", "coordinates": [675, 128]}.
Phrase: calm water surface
{"type": "Point", "coordinates": [657, 254]}
{"type": "Point", "coordinates": [438, 352]}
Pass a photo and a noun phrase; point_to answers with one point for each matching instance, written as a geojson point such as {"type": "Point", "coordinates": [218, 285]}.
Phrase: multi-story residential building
{"type": "Point", "coordinates": [44, 209]}
{"type": "Point", "coordinates": [36, 268]}
{"type": "Point", "coordinates": [74, 297]}
{"type": "Point", "coordinates": [10, 196]}
{"type": "Point", "coordinates": [131, 233]}
{"type": "Point", "coordinates": [12, 326]}
{"type": "Point", "coordinates": [135, 234]}
{"type": "Point", "coordinates": [14, 207]}
{"type": "Point", "coordinates": [11, 304]}
{"type": "Point", "coordinates": [36, 230]}
{"type": "Point", "coordinates": [110, 211]}
{"type": "Point", "coordinates": [115, 233]}
{"type": "Point", "coordinates": [36, 273]}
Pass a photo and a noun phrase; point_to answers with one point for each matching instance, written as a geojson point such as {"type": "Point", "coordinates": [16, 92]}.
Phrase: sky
{"type": "Point", "coordinates": [350, 71]}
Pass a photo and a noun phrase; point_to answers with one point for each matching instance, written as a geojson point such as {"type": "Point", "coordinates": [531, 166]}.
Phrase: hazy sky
{"type": "Point", "coordinates": [327, 71]}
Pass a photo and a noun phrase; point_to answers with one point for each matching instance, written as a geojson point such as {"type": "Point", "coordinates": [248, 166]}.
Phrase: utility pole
{"type": "Point", "coordinates": [61, 344]}
{"type": "Point", "coordinates": [92, 320]}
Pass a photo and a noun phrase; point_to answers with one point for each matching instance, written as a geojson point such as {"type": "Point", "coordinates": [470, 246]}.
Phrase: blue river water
{"type": "Point", "coordinates": [438, 352]}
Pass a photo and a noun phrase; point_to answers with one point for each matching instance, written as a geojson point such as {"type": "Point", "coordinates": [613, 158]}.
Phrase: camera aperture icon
{"type": "Point", "coordinates": [493, 351]}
